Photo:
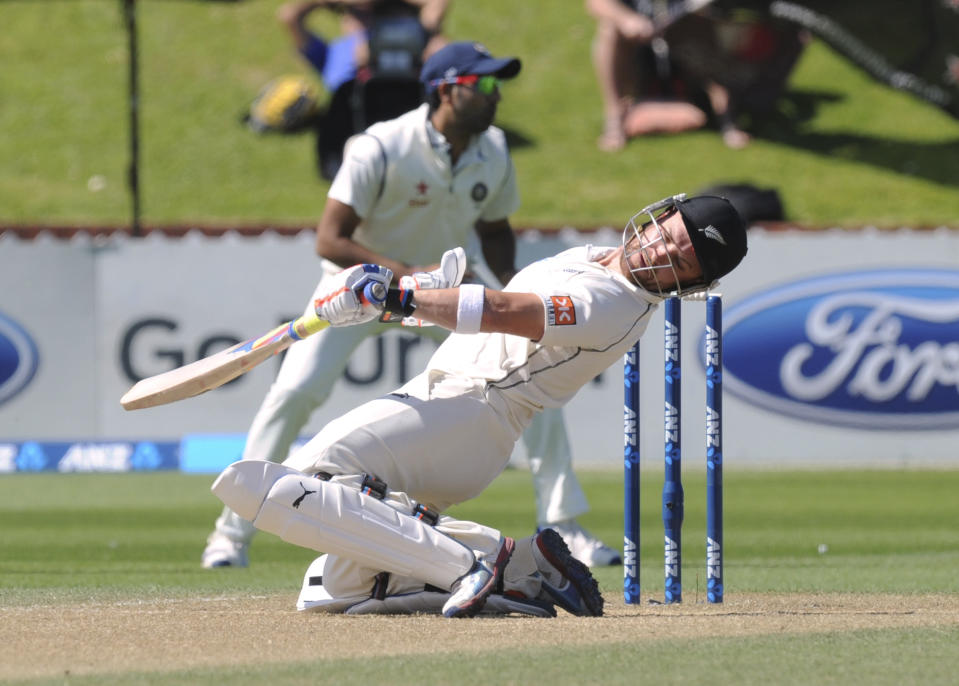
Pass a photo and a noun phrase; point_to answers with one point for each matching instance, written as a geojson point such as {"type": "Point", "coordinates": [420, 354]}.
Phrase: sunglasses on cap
{"type": "Point", "coordinates": [487, 85]}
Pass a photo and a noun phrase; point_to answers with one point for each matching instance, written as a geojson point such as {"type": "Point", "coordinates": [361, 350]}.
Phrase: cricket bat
{"type": "Point", "coordinates": [217, 369]}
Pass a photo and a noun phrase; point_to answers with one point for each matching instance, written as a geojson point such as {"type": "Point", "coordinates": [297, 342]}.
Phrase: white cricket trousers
{"type": "Point", "coordinates": [437, 452]}
{"type": "Point", "coordinates": [309, 371]}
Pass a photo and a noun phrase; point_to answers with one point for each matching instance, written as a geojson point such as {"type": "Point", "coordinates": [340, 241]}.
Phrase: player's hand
{"type": "Point", "coordinates": [636, 27]}
{"type": "Point", "coordinates": [356, 295]}
{"type": "Point", "coordinates": [449, 275]}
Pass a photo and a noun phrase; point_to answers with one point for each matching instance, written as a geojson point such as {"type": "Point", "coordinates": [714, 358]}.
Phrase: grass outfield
{"type": "Point", "coordinates": [106, 557]}
{"type": "Point", "coordinates": [842, 149]}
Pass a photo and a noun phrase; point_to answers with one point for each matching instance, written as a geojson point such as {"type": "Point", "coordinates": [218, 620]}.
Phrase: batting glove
{"type": "Point", "coordinates": [356, 295]}
{"type": "Point", "coordinates": [449, 275]}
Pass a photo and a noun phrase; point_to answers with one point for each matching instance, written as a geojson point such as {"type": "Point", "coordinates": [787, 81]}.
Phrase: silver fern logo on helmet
{"type": "Point", "coordinates": [712, 232]}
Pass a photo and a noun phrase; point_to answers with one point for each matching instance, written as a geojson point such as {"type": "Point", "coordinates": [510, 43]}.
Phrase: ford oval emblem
{"type": "Point", "coordinates": [870, 349]}
{"type": "Point", "coordinates": [18, 358]}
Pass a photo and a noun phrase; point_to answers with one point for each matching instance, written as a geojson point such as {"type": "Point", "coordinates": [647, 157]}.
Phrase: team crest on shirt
{"type": "Point", "coordinates": [479, 192]}
{"type": "Point", "coordinates": [560, 310]}
{"type": "Point", "coordinates": [421, 198]}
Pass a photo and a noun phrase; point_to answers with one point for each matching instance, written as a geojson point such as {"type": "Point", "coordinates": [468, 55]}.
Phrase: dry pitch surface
{"type": "Point", "coordinates": [160, 635]}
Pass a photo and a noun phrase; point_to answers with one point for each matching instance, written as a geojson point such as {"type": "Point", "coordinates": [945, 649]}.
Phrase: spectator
{"type": "Point", "coordinates": [338, 60]}
{"type": "Point", "coordinates": [678, 72]}
{"type": "Point", "coordinates": [371, 70]}
{"type": "Point", "coordinates": [371, 488]}
{"type": "Point", "coordinates": [408, 189]}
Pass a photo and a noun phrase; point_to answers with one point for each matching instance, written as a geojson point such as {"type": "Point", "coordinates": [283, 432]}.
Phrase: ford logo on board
{"type": "Point", "coordinates": [870, 349]}
{"type": "Point", "coordinates": [18, 358]}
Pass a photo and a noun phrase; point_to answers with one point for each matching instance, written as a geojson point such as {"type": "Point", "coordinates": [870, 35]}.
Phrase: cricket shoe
{"type": "Point", "coordinates": [507, 603]}
{"type": "Point", "coordinates": [221, 551]}
{"type": "Point", "coordinates": [470, 591]}
{"type": "Point", "coordinates": [431, 602]}
{"type": "Point", "coordinates": [566, 581]}
{"type": "Point", "coordinates": [584, 546]}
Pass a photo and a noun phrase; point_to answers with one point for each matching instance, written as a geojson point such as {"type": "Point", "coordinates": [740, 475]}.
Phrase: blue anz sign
{"type": "Point", "coordinates": [18, 358]}
{"type": "Point", "coordinates": [871, 349]}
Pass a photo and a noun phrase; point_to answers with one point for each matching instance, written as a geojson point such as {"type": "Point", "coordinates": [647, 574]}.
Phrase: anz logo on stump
{"type": "Point", "coordinates": [18, 358]}
{"type": "Point", "coordinates": [871, 349]}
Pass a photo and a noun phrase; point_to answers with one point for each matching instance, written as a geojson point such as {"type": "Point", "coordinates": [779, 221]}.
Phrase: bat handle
{"type": "Point", "coordinates": [375, 293]}
{"type": "Point", "coordinates": [309, 324]}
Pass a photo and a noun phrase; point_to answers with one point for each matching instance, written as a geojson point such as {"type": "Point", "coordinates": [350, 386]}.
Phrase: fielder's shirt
{"type": "Point", "coordinates": [414, 204]}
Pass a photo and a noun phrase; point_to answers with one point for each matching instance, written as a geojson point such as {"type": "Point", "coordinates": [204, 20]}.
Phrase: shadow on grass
{"type": "Point", "coordinates": [937, 162]}
{"type": "Point", "coordinates": [516, 139]}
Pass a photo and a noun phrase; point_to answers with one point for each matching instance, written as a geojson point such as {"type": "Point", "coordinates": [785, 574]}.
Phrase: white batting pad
{"type": "Point", "coordinates": [314, 596]}
{"type": "Point", "coordinates": [243, 485]}
{"type": "Point", "coordinates": [331, 518]}
{"type": "Point", "coordinates": [424, 602]}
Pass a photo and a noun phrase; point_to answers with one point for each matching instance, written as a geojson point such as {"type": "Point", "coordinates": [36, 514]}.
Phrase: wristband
{"type": "Point", "coordinates": [469, 310]}
{"type": "Point", "coordinates": [400, 301]}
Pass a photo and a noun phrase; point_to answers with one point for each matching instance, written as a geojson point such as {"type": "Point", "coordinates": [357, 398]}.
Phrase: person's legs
{"type": "Point", "coordinates": [614, 63]}
{"type": "Point", "coordinates": [310, 369]}
{"type": "Point", "coordinates": [540, 575]}
{"type": "Point", "coordinates": [364, 526]}
{"type": "Point", "coordinates": [559, 496]}
{"type": "Point", "coordinates": [662, 116]}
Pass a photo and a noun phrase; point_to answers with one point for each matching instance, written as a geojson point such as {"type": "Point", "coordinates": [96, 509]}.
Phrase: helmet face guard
{"type": "Point", "coordinates": [637, 230]}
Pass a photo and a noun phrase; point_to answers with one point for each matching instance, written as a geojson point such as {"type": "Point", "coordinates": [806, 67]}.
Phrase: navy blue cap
{"type": "Point", "coordinates": [462, 59]}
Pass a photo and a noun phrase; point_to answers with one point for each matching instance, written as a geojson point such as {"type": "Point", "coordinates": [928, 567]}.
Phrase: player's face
{"type": "Point", "coordinates": [475, 104]}
{"type": "Point", "coordinates": [660, 255]}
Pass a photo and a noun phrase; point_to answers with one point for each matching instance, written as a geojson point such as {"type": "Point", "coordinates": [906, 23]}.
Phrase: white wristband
{"type": "Point", "coordinates": [469, 310]}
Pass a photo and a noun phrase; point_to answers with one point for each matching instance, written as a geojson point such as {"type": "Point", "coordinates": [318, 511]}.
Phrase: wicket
{"type": "Point", "coordinates": [673, 496]}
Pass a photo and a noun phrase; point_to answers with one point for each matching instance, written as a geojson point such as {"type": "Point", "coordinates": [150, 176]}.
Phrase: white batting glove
{"type": "Point", "coordinates": [449, 275]}
{"type": "Point", "coordinates": [356, 295]}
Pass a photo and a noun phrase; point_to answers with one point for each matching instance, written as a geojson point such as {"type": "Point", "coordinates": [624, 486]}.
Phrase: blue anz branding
{"type": "Point", "coordinates": [871, 349]}
{"type": "Point", "coordinates": [18, 358]}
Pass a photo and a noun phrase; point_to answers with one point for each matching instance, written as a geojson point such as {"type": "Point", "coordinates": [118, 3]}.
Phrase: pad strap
{"type": "Point", "coordinates": [373, 486]}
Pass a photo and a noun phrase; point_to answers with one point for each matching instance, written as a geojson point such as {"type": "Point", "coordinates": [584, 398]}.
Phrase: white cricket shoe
{"type": "Point", "coordinates": [221, 551]}
{"type": "Point", "coordinates": [584, 546]}
{"type": "Point", "coordinates": [470, 591]}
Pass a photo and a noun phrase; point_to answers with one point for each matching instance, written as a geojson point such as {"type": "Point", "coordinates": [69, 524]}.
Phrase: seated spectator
{"type": "Point", "coordinates": [674, 73]}
{"type": "Point", "coordinates": [372, 69]}
{"type": "Point", "coordinates": [338, 60]}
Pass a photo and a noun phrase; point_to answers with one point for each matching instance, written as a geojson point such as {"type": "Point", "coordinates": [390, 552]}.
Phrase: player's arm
{"type": "Point", "coordinates": [431, 13]}
{"type": "Point", "coordinates": [499, 247]}
{"type": "Point", "coordinates": [520, 314]}
{"type": "Point", "coordinates": [627, 21]}
{"type": "Point", "coordinates": [293, 15]}
{"type": "Point", "coordinates": [334, 241]}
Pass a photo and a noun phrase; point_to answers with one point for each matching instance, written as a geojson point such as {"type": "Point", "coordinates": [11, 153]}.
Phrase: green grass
{"type": "Point", "coordinates": [842, 149]}
{"type": "Point", "coordinates": [116, 537]}
{"type": "Point", "coordinates": [136, 534]}
{"type": "Point", "coordinates": [861, 657]}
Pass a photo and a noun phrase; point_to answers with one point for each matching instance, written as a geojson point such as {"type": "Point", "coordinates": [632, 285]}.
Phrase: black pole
{"type": "Point", "coordinates": [133, 172]}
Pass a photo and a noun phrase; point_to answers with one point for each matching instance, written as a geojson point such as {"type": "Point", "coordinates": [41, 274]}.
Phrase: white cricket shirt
{"type": "Point", "coordinates": [593, 317]}
{"type": "Point", "coordinates": [414, 205]}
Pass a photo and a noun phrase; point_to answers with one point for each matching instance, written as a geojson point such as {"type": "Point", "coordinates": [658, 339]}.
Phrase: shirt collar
{"type": "Point", "coordinates": [441, 145]}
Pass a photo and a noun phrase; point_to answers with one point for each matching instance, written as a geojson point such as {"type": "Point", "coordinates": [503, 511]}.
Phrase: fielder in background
{"type": "Point", "coordinates": [371, 487]}
{"type": "Point", "coordinates": [409, 189]}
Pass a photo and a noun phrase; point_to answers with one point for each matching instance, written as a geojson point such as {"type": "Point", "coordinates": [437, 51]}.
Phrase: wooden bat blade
{"type": "Point", "coordinates": [217, 369]}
